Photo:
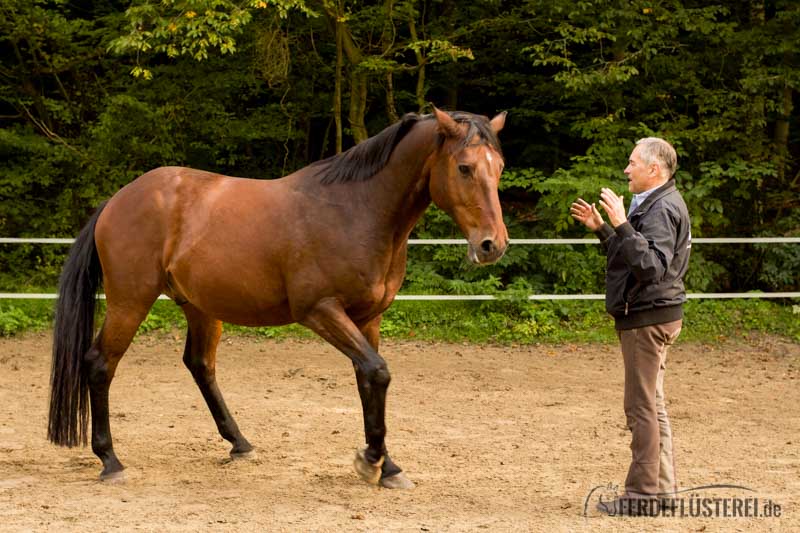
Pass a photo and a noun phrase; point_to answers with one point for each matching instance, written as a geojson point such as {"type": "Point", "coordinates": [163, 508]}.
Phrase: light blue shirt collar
{"type": "Point", "coordinates": [637, 199]}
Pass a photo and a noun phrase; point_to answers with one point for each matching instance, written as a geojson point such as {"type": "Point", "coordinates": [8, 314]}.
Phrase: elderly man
{"type": "Point", "coordinates": [647, 257]}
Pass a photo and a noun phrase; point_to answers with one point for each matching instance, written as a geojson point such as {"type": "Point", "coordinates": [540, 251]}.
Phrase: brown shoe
{"type": "Point", "coordinates": [627, 506]}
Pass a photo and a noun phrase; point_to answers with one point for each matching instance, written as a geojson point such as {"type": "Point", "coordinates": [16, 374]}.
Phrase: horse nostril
{"type": "Point", "coordinates": [487, 246]}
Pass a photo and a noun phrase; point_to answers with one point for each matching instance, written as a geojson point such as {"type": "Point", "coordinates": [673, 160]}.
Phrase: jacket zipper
{"type": "Point", "coordinates": [626, 308]}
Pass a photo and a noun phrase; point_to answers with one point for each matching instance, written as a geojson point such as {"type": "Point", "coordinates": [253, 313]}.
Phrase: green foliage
{"type": "Point", "coordinates": [720, 320]}
{"type": "Point", "coordinates": [502, 321]}
{"type": "Point", "coordinates": [246, 88]}
{"type": "Point", "coordinates": [440, 51]}
{"type": "Point", "coordinates": [779, 266]}
{"type": "Point", "coordinates": [499, 321]}
{"type": "Point", "coordinates": [20, 316]}
{"type": "Point", "coordinates": [14, 321]}
{"type": "Point", "coordinates": [191, 28]}
{"type": "Point", "coordinates": [165, 316]}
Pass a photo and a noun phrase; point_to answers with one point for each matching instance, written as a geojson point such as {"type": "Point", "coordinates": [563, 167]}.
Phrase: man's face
{"type": "Point", "coordinates": [641, 177]}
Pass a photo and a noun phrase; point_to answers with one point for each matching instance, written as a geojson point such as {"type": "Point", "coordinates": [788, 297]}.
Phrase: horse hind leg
{"type": "Point", "coordinates": [100, 364]}
{"type": "Point", "coordinates": [200, 356]}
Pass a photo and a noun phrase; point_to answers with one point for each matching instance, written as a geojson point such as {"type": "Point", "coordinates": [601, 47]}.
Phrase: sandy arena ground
{"type": "Point", "coordinates": [497, 438]}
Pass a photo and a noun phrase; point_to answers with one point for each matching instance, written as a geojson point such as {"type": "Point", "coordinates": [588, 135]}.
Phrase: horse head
{"type": "Point", "coordinates": [464, 179]}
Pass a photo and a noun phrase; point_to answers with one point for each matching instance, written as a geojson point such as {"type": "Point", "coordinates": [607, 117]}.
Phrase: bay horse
{"type": "Point", "coordinates": [324, 247]}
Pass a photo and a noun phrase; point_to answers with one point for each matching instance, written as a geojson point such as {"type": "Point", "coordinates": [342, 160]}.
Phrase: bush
{"type": "Point", "coordinates": [498, 321]}
{"type": "Point", "coordinates": [19, 316]}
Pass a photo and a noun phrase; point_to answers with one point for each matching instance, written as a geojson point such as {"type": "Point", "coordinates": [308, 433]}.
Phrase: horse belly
{"type": "Point", "coordinates": [236, 291]}
{"type": "Point", "coordinates": [254, 316]}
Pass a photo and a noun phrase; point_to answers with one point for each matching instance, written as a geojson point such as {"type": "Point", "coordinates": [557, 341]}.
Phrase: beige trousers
{"type": "Point", "coordinates": [644, 351]}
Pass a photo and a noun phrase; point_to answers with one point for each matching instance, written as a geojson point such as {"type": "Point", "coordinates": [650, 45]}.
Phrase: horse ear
{"type": "Point", "coordinates": [447, 125]}
{"type": "Point", "coordinates": [498, 122]}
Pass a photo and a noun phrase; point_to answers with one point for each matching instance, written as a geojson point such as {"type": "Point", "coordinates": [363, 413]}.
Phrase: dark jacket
{"type": "Point", "coordinates": [647, 257]}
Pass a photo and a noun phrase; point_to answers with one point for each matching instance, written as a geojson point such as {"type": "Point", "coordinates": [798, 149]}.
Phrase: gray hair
{"type": "Point", "coordinates": [657, 150]}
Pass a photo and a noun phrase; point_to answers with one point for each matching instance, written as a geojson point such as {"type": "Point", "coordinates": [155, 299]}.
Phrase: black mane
{"type": "Point", "coordinates": [365, 160]}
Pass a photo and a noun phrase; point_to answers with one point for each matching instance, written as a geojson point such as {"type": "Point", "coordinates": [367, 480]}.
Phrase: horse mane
{"type": "Point", "coordinates": [366, 159]}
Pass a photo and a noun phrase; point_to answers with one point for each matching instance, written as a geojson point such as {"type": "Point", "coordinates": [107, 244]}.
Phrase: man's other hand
{"type": "Point", "coordinates": [614, 206]}
{"type": "Point", "coordinates": [586, 214]}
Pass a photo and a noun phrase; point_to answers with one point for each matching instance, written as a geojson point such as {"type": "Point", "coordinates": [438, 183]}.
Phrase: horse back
{"type": "Point", "coordinates": [252, 252]}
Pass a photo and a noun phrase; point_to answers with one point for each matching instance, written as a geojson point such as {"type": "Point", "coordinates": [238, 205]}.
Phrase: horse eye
{"type": "Point", "coordinates": [465, 169]}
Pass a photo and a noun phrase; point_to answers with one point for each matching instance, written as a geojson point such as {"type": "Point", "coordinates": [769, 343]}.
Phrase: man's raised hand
{"type": "Point", "coordinates": [586, 214]}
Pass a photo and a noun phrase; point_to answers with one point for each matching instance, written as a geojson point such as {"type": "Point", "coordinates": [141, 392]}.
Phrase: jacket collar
{"type": "Point", "coordinates": [659, 193]}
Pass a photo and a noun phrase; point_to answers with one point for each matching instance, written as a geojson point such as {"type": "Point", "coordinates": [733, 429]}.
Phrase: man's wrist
{"type": "Point", "coordinates": [617, 223]}
{"type": "Point", "coordinates": [624, 229]}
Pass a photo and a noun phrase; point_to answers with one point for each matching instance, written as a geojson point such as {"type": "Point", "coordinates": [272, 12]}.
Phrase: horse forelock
{"type": "Point", "coordinates": [368, 158]}
{"type": "Point", "coordinates": [477, 126]}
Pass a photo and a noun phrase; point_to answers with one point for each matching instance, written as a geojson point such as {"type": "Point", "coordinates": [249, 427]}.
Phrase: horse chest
{"type": "Point", "coordinates": [377, 287]}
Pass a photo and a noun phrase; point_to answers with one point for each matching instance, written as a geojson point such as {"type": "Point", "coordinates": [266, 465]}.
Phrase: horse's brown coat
{"type": "Point", "coordinates": [331, 256]}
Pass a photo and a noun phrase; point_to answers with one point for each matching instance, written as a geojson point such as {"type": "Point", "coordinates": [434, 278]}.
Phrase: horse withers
{"type": "Point", "coordinates": [324, 247]}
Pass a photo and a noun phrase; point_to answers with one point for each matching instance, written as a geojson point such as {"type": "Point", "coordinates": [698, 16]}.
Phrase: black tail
{"type": "Point", "coordinates": [73, 332]}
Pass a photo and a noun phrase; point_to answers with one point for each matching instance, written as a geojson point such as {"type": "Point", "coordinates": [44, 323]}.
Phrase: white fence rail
{"type": "Point", "coordinates": [482, 297]}
{"type": "Point", "coordinates": [473, 297]}
{"type": "Point", "coordinates": [695, 240]}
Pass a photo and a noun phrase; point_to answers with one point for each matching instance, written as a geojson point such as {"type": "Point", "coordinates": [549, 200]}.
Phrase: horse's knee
{"type": "Point", "coordinates": [380, 376]}
{"type": "Point", "coordinates": [188, 362]}
{"type": "Point", "coordinates": [199, 367]}
{"type": "Point", "coordinates": [196, 363]}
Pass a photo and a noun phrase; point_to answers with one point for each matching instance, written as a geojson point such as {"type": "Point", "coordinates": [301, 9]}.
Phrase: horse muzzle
{"type": "Point", "coordinates": [487, 251]}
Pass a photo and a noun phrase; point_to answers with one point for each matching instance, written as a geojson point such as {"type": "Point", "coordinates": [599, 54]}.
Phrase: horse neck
{"type": "Point", "coordinates": [388, 205]}
{"type": "Point", "coordinates": [401, 190]}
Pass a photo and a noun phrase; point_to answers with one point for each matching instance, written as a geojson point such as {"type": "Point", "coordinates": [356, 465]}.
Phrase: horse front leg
{"type": "Point", "coordinates": [392, 476]}
{"type": "Point", "coordinates": [329, 320]}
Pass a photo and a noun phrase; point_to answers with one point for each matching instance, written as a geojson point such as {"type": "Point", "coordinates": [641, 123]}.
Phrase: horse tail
{"type": "Point", "coordinates": [73, 332]}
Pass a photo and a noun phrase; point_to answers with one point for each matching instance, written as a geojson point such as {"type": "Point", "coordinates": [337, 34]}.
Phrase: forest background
{"type": "Point", "coordinates": [95, 93]}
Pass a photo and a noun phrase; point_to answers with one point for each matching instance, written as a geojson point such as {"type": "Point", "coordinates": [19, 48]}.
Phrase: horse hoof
{"type": "Point", "coordinates": [244, 456]}
{"type": "Point", "coordinates": [369, 472]}
{"type": "Point", "coordinates": [397, 481]}
{"type": "Point", "coordinates": [118, 476]}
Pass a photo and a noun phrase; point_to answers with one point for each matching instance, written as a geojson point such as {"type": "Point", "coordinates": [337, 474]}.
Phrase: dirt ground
{"type": "Point", "coordinates": [496, 438]}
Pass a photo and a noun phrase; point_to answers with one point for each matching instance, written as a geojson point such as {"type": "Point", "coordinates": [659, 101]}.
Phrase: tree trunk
{"type": "Point", "coordinates": [391, 108]}
{"type": "Point", "coordinates": [337, 90]}
{"type": "Point", "coordinates": [387, 44]}
{"type": "Point", "coordinates": [358, 85]}
{"type": "Point", "coordinates": [30, 89]}
{"type": "Point", "coordinates": [781, 138]}
{"type": "Point", "coordinates": [322, 151]}
{"type": "Point", "coordinates": [358, 105]}
{"type": "Point", "coordinates": [412, 27]}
